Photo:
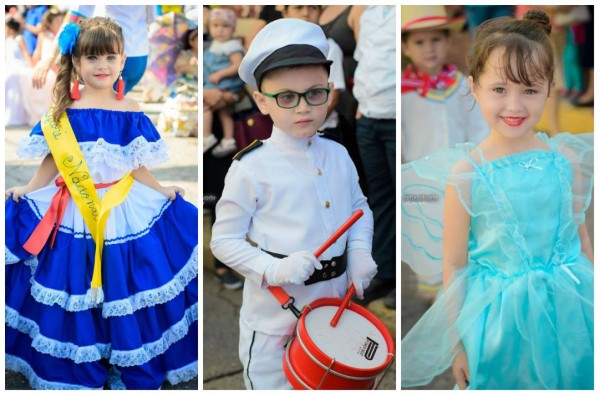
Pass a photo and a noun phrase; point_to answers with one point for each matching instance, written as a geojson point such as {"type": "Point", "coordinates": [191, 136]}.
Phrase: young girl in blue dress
{"type": "Point", "coordinates": [516, 309]}
{"type": "Point", "coordinates": [82, 313]}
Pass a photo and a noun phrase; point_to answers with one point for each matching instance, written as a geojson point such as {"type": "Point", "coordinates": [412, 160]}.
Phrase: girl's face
{"type": "Point", "coordinates": [220, 30]}
{"type": "Point", "coordinates": [56, 24]}
{"type": "Point", "coordinates": [511, 109]}
{"type": "Point", "coordinates": [427, 50]}
{"type": "Point", "coordinates": [8, 32]}
{"type": "Point", "coordinates": [99, 71]}
{"type": "Point", "coordinates": [193, 41]}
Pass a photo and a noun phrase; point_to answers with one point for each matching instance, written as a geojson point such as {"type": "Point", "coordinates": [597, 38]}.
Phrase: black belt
{"type": "Point", "coordinates": [332, 268]}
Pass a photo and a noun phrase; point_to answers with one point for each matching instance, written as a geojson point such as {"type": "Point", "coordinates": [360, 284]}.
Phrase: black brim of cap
{"type": "Point", "coordinates": [291, 55]}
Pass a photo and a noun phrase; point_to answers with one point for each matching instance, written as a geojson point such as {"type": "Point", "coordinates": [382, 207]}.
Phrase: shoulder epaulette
{"type": "Point", "coordinates": [330, 136]}
{"type": "Point", "coordinates": [255, 144]}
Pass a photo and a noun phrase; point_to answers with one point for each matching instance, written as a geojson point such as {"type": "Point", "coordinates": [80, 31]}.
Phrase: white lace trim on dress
{"type": "Point", "coordinates": [183, 374]}
{"type": "Point", "coordinates": [148, 351]}
{"type": "Point", "coordinates": [19, 365]}
{"type": "Point", "coordinates": [10, 257]}
{"type": "Point", "coordinates": [139, 152]}
{"type": "Point", "coordinates": [126, 306]}
{"type": "Point", "coordinates": [92, 353]}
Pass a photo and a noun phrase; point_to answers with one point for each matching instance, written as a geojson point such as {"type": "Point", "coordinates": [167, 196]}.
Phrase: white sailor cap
{"type": "Point", "coordinates": [281, 43]}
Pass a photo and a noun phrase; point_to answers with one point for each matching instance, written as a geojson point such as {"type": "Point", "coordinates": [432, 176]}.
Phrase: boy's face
{"type": "Point", "coordinates": [427, 50]}
{"type": "Point", "coordinates": [308, 13]}
{"type": "Point", "coordinates": [303, 120]}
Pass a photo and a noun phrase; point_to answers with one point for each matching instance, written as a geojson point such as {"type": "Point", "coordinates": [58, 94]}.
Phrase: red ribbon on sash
{"type": "Point", "coordinates": [54, 215]}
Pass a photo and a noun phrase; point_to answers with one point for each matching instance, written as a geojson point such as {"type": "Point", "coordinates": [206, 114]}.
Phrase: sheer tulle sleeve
{"type": "Point", "coordinates": [578, 150]}
{"type": "Point", "coordinates": [424, 183]}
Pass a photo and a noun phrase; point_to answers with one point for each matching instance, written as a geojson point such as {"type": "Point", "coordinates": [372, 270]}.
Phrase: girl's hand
{"type": "Point", "coordinates": [172, 191]}
{"type": "Point", "coordinates": [214, 78]}
{"type": "Point", "coordinates": [40, 72]}
{"type": "Point", "coordinates": [17, 192]}
{"type": "Point", "coordinates": [460, 370]}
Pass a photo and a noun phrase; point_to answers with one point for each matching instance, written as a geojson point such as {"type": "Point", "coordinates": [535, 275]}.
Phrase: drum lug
{"type": "Point", "coordinates": [326, 373]}
{"type": "Point", "coordinates": [382, 376]}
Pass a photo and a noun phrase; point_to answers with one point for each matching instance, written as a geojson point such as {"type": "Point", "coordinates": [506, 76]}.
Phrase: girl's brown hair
{"type": "Point", "coordinates": [49, 16]}
{"type": "Point", "coordinates": [97, 36]}
{"type": "Point", "coordinates": [526, 40]}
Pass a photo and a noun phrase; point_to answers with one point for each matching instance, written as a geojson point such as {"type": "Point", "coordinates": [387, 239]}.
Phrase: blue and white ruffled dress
{"type": "Point", "coordinates": [146, 330]}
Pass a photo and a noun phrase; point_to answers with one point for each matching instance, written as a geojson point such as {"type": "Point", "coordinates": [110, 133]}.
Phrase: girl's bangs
{"type": "Point", "coordinates": [525, 64]}
{"type": "Point", "coordinates": [99, 41]}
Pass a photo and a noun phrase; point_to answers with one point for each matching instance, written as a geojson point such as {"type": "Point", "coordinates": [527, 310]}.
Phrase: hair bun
{"type": "Point", "coordinates": [539, 18]}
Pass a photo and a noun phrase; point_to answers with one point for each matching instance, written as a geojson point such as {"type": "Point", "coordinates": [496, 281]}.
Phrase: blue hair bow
{"type": "Point", "coordinates": [68, 38]}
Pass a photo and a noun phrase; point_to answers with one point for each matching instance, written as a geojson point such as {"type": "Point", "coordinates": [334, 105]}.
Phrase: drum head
{"type": "Point", "coordinates": [355, 341]}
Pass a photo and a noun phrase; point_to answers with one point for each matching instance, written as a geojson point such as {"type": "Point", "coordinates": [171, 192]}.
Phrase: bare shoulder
{"type": "Point", "coordinates": [130, 105]}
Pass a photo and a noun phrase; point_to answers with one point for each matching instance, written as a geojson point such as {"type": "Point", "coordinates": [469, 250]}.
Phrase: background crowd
{"type": "Point", "coordinates": [162, 64]}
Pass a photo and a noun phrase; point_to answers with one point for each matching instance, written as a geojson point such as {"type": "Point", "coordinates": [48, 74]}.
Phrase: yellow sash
{"type": "Point", "coordinates": [72, 167]}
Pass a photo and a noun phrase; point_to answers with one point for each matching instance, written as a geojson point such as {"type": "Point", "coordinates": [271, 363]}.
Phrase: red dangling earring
{"type": "Point", "coordinates": [120, 88]}
{"type": "Point", "coordinates": [75, 95]}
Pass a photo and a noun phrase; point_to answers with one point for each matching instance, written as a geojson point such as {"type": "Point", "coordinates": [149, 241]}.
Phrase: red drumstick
{"type": "Point", "coordinates": [344, 227]}
{"type": "Point", "coordinates": [288, 302]}
{"type": "Point", "coordinates": [345, 302]}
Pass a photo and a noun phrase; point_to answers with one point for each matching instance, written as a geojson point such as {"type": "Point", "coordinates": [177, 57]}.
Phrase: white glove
{"type": "Point", "coordinates": [295, 268]}
{"type": "Point", "coordinates": [361, 270]}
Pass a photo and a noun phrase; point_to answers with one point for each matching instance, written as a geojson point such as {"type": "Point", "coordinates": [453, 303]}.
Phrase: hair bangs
{"type": "Point", "coordinates": [524, 63]}
{"type": "Point", "coordinates": [99, 40]}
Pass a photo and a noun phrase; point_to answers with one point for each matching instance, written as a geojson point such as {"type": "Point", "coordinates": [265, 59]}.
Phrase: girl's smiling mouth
{"type": "Point", "coordinates": [513, 121]}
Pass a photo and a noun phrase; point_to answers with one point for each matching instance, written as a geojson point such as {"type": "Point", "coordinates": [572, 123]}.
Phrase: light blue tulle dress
{"type": "Point", "coordinates": [146, 330]}
{"type": "Point", "coordinates": [523, 304]}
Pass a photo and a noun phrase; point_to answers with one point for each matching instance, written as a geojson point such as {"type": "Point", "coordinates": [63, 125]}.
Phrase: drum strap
{"type": "Point", "coordinates": [332, 268]}
{"type": "Point", "coordinates": [286, 301]}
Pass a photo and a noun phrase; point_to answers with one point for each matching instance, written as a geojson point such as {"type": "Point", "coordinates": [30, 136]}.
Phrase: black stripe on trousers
{"type": "Point", "coordinates": [249, 360]}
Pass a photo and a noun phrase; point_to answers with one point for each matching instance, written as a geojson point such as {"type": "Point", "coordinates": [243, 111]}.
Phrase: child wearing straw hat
{"type": "Point", "coordinates": [287, 195]}
{"type": "Point", "coordinates": [436, 110]}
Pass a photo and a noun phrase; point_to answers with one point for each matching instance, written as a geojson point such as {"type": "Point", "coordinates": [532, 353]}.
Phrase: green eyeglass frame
{"type": "Point", "coordinates": [298, 95]}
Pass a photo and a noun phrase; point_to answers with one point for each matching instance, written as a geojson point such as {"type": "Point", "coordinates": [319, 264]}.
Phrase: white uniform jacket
{"type": "Point", "coordinates": [288, 195]}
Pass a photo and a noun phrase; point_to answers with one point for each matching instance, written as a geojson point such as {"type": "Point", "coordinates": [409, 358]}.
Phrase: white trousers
{"type": "Point", "coordinates": [262, 357]}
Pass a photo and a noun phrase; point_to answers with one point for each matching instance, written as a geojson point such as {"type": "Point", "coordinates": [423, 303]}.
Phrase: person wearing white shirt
{"type": "Point", "coordinates": [375, 91]}
{"type": "Point", "coordinates": [285, 196]}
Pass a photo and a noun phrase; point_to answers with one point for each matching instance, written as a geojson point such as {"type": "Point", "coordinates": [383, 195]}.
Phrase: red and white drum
{"type": "Point", "coordinates": [349, 356]}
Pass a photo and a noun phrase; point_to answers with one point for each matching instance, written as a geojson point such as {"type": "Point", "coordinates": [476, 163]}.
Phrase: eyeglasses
{"type": "Point", "coordinates": [291, 99]}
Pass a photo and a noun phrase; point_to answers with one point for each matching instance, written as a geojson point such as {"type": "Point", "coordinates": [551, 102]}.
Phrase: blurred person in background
{"type": "Point", "coordinates": [436, 108]}
{"type": "Point", "coordinates": [375, 91]}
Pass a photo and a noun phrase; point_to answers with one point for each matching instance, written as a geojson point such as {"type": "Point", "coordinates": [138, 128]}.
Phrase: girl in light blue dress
{"type": "Point", "coordinates": [516, 310]}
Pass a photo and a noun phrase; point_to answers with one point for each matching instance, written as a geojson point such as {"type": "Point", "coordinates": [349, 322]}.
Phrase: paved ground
{"type": "Point", "coordinates": [222, 368]}
{"type": "Point", "coordinates": [182, 170]}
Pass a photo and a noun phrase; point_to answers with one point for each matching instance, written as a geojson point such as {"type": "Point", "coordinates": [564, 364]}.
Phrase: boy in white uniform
{"type": "Point", "coordinates": [287, 195]}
